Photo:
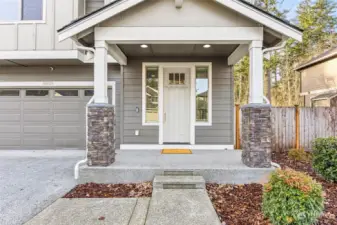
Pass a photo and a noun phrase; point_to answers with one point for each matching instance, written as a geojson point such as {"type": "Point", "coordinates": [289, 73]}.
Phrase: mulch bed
{"type": "Point", "coordinates": [92, 190]}
{"type": "Point", "coordinates": [241, 204]}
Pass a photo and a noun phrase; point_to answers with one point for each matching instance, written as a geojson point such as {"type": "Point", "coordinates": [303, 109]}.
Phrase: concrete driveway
{"type": "Point", "coordinates": [32, 180]}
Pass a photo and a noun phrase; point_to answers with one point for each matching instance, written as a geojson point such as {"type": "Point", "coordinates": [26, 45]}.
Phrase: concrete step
{"type": "Point", "coordinates": [179, 182]}
{"type": "Point", "coordinates": [179, 173]}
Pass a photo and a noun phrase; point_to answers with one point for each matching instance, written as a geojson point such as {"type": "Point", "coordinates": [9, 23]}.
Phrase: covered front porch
{"type": "Point", "coordinates": [176, 88]}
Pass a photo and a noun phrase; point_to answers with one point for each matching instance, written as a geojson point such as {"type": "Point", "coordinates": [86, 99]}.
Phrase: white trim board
{"type": "Point", "coordinates": [53, 54]}
{"type": "Point", "coordinates": [181, 35]}
{"type": "Point", "coordinates": [160, 147]}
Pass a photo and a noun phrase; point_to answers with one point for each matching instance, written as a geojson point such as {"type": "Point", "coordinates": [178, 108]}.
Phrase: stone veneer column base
{"type": "Point", "coordinates": [256, 135]}
{"type": "Point", "coordinates": [101, 146]}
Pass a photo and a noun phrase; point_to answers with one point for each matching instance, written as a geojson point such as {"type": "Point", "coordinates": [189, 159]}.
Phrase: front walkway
{"type": "Point", "coordinates": [32, 180]}
{"type": "Point", "coordinates": [166, 207]}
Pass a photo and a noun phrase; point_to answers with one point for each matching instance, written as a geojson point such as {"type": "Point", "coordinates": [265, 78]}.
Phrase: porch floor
{"type": "Point", "coordinates": [216, 166]}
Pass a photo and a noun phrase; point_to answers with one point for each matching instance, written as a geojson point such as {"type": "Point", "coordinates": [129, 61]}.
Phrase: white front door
{"type": "Point", "coordinates": [176, 122]}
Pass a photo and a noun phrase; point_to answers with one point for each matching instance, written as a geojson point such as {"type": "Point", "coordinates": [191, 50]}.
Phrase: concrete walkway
{"type": "Point", "coordinates": [181, 207]}
{"type": "Point", "coordinates": [167, 207]}
{"type": "Point", "coordinates": [32, 180]}
{"type": "Point", "coordinates": [109, 211]}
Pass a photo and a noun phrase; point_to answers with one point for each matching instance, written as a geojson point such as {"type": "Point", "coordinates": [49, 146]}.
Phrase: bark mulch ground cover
{"type": "Point", "coordinates": [241, 204]}
{"type": "Point", "coordinates": [92, 190]}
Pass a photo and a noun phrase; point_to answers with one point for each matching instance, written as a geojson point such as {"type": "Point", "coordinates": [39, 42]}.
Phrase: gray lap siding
{"type": "Point", "coordinates": [221, 131]}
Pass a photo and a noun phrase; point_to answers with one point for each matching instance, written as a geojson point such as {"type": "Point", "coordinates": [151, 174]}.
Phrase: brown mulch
{"type": "Point", "coordinates": [237, 204]}
{"type": "Point", "coordinates": [92, 190]}
{"type": "Point", "coordinates": [241, 204]}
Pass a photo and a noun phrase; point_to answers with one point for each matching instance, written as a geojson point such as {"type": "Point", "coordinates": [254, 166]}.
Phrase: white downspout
{"type": "Point", "coordinates": [77, 165]}
{"type": "Point", "coordinates": [264, 51]}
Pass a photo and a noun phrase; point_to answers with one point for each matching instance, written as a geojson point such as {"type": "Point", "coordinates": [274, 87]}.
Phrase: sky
{"type": "Point", "coordinates": [290, 5]}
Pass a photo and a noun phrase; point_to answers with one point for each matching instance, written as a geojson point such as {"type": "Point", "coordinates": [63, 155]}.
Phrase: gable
{"type": "Point", "coordinates": [234, 12]}
{"type": "Point", "coordinates": [194, 13]}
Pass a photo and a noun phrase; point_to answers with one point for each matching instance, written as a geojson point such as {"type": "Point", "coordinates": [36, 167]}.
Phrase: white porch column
{"type": "Point", "coordinates": [256, 72]}
{"type": "Point", "coordinates": [101, 72]}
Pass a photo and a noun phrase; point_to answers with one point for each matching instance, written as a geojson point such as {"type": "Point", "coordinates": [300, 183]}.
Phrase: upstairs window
{"type": "Point", "coordinates": [21, 10]}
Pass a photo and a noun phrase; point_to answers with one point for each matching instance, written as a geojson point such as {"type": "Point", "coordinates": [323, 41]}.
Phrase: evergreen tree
{"type": "Point", "coordinates": [319, 21]}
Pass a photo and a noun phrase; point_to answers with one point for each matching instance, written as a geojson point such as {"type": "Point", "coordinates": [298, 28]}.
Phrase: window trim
{"type": "Point", "coordinates": [42, 21]}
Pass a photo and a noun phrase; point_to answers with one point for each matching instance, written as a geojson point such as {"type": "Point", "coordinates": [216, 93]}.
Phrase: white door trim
{"type": "Point", "coordinates": [160, 147]}
{"type": "Point", "coordinates": [193, 123]}
{"type": "Point", "coordinates": [55, 84]}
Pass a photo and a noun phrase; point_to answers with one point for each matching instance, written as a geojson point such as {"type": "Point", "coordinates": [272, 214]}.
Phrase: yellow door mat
{"type": "Point", "coordinates": [176, 151]}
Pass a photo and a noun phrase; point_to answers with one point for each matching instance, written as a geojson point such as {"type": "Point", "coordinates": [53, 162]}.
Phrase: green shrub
{"type": "Point", "coordinates": [325, 157]}
{"type": "Point", "coordinates": [299, 155]}
{"type": "Point", "coordinates": [292, 197]}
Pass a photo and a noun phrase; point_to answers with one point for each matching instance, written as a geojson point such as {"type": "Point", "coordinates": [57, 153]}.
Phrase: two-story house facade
{"type": "Point", "coordinates": [151, 59]}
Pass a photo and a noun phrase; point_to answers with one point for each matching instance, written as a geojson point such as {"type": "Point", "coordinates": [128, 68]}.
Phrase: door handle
{"type": "Point", "coordinates": [164, 117]}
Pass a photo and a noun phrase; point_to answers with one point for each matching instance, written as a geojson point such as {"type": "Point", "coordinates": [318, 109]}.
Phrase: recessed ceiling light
{"type": "Point", "coordinates": [207, 46]}
{"type": "Point", "coordinates": [144, 46]}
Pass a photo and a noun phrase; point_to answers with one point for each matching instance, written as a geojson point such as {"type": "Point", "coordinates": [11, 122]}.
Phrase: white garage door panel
{"type": "Point", "coordinates": [67, 117]}
{"type": "Point", "coordinates": [10, 141]}
{"type": "Point", "coordinates": [68, 105]}
{"type": "Point", "coordinates": [67, 142]}
{"type": "Point", "coordinates": [37, 141]}
{"type": "Point", "coordinates": [36, 105]}
{"type": "Point", "coordinates": [67, 129]}
{"type": "Point", "coordinates": [10, 128]}
{"type": "Point", "coordinates": [31, 129]}
{"type": "Point", "coordinates": [10, 117]}
{"type": "Point", "coordinates": [36, 117]}
{"type": "Point", "coordinates": [10, 105]}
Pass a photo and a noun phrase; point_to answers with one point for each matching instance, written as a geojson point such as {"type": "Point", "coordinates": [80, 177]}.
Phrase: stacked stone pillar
{"type": "Point", "coordinates": [101, 146]}
{"type": "Point", "coordinates": [256, 135]}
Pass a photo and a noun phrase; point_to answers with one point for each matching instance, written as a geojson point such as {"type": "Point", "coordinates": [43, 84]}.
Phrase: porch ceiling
{"type": "Point", "coordinates": [177, 50]}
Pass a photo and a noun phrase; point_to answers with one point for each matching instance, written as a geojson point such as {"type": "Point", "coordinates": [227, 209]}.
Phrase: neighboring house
{"type": "Point", "coordinates": [55, 57]}
{"type": "Point", "coordinates": [319, 80]}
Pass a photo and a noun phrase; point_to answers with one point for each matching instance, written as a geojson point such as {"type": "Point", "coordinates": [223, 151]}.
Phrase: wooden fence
{"type": "Point", "coordinates": [293, 129]}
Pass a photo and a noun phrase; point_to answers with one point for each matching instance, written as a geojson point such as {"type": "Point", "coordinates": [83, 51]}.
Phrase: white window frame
{"type": "Point", "coordinates": [193, 122]}
{"type": "Point", "coordinates": [20, 21]}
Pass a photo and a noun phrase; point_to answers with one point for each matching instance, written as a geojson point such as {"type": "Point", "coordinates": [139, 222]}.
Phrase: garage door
{"type": "Point", "coordinates": [43, 118]}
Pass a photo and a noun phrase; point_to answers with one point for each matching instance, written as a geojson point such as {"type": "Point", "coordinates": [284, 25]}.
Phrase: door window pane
{"type": "Point", "coordinates": [182, 78]}
{"type": "Point", "coordinates": [171, 78]}
{"type": "Point", "coordinates": [9, 92]}
{"type": "Point", "coordinates": [9, 10]}
{"type": "Point", "coordinates": [152, 91]}
{"type": "Point", "coordinates": [65, 93]}
{"type": "Point", "coordinates": [37, 93]}
{"type": "Point", "coordinates": [202, 88]}
{"type": "Point", "coordinates": [32, 9]}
